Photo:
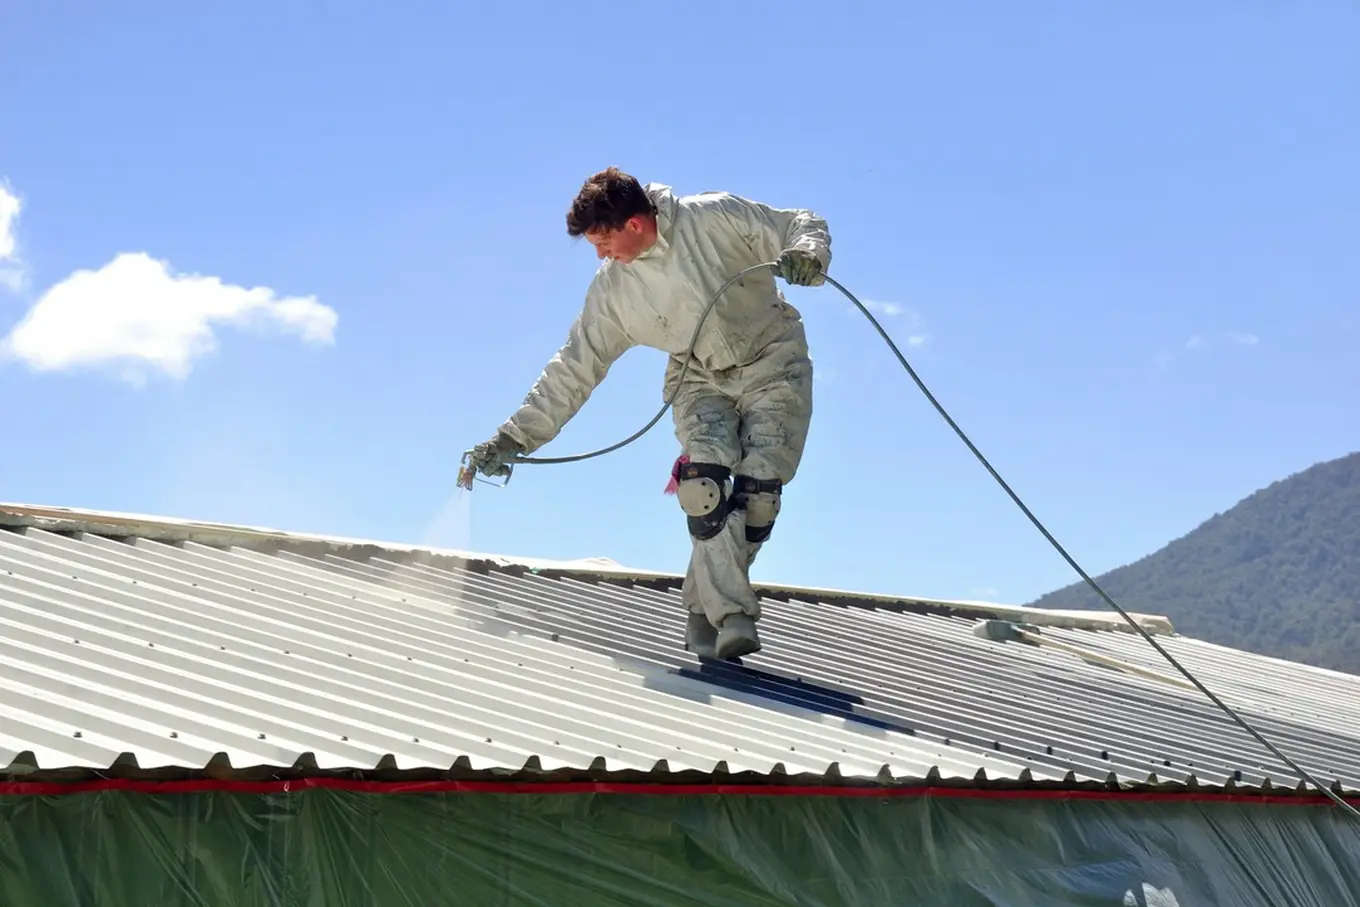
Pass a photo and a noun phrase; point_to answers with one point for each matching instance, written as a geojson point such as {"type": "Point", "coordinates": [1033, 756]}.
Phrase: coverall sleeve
{"type": "Point", "coordinates": [594, 343]}
{"type": "Point", "coordinates": [770, 230]}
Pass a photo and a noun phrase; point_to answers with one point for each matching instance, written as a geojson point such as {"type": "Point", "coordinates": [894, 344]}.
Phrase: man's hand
{"type": "Point", "coordinates": [799, 267]}
{"type": "Point", "coordinates": [492, 458]}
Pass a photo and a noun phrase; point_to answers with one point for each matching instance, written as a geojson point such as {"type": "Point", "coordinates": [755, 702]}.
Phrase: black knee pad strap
{"type": "Point", "coordinates": [745, 486]}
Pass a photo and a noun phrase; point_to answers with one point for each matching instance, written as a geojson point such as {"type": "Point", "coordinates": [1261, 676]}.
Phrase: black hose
{"type": "Point", "coordinates": [1000, 481]}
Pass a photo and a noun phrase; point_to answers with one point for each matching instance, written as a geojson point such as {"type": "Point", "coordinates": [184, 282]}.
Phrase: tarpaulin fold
{"type": "Point", "coordinates": [349, 848]}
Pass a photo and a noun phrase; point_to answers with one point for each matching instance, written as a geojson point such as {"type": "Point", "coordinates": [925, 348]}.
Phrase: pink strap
{"type": "Point", "coordinates": [674, 484]}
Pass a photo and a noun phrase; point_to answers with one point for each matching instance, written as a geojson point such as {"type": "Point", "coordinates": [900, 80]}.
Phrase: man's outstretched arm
{"type": "Point", "coordinates": [594, 343]}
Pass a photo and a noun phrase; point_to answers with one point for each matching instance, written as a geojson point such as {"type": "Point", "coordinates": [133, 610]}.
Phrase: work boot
{"type": "Point", "coordinates": [701, 636]}
{"type": "Point", "coordinates": [737, 637]}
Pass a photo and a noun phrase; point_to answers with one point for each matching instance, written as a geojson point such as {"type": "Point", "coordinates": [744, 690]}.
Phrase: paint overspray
{"type": "Point", "coordinates": [426, 576]}
{"type": "Point", "coordinates": [450, 530]}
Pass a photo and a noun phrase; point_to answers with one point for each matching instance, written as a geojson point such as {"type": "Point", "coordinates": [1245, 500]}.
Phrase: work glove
{"type": "Point", "coordinates": [492, 458]}
{"type": "Point", "coordinates": [799, 267]}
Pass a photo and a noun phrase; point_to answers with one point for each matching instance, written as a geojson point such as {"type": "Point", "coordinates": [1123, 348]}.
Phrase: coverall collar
{"type": "Point", "coordinates": [664, 199]}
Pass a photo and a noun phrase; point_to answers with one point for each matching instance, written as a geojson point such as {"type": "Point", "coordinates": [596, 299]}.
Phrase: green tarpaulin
{"type": "Point", "coordinates": [336, 847]}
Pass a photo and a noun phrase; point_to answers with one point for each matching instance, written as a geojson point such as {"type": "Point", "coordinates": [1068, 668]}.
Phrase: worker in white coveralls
{"type": "Point", "coordinates": [742, 413]}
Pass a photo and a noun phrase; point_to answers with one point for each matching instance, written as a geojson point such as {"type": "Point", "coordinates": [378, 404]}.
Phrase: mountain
{"type": "Point", "coordinates": [1278, 574]}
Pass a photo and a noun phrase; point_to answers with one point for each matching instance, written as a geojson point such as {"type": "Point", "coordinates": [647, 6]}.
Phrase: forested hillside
{"type": "Point", "coordinates": [1278, 574]}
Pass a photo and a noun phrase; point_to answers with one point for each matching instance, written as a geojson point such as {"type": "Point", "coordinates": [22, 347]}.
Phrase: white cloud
{"type": "Point", "coordinates": [11, 267]}
{"type": "Point", "coordinates": [1242, 338]}
{"type": "Point", "coordinates": [891, 309]}
{"type": "Point", "coordinates": [10, 208]}
{"type": "Point", "coordinates": [1197, 343]}
{"type": "Point", "coordinates": [917, 336]}
{"type": "Point", "coordinates": [138, 316]}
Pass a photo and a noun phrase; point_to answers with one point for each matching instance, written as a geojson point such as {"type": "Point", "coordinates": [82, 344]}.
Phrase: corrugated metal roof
{"type": "Point", "coordinates": [122, 651]}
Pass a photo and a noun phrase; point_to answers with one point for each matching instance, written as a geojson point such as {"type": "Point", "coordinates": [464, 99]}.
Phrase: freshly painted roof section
{"type": "Point", "coordinates": [132, 644]}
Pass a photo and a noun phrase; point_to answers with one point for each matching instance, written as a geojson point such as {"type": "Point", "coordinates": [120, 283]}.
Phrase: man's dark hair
{"type": "Point", "coordinates": [606, 201]}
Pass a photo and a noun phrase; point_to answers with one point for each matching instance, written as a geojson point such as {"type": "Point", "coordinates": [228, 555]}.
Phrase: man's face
{"type": "Point", "coordinates": [626, 243]}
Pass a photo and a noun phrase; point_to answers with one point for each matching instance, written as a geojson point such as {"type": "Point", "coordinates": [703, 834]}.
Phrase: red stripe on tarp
{"type": "Point", "coordinates": [200, 785]}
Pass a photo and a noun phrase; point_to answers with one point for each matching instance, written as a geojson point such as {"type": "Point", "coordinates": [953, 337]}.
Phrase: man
{"type": "Point", "coordinates": [742, 413]}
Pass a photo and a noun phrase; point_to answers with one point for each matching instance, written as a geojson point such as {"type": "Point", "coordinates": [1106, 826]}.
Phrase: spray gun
{"type": "Point", "coordinates": [467, 474]}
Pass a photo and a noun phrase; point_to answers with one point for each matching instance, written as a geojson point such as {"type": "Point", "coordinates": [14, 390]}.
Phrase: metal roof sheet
{"type": "Point", "coordinates": [119, 651]}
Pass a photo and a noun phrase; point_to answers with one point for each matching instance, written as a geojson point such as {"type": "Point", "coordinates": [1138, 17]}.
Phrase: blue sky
{"type": "Point", "coordinates": [1125, 233]}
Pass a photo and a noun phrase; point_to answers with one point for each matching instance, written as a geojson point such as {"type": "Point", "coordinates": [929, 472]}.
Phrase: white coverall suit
{"type": "Point", "coordinates": [746, 400]}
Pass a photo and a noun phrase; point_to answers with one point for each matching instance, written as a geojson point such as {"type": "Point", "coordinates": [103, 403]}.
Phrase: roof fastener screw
{"type": "Point", "coordinates": [78, 734]}
{"type": "Point", "coordinates": [262, 736]}
{"type": "Point", "coordinates": [415, 739]}
{"type": "Point", "coordinates": [344, 737]}
{"type": "Point", "coordinates": [174, 733]}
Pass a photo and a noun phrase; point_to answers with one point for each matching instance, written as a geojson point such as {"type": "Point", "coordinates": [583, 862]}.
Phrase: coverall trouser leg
{"type": "Point", "coordinates": [753, 419]}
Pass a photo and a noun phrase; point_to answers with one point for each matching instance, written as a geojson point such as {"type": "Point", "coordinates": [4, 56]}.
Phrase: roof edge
{"type": "Point", "coordinates": [661, 782]}
{"type": "Point", "coordinates": [176, 529]}
{"type": "Point", "coordinates": [173, 529]}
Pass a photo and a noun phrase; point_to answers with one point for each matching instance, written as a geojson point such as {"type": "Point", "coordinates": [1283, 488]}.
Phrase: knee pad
{"type": "Point", "coordinates": [703, 495]}
{"type": "Point", "coordinates": [760, 498]}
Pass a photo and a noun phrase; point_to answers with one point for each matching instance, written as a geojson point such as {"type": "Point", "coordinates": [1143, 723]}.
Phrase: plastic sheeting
{"type": "Point", "coordinates": [346, 848]}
